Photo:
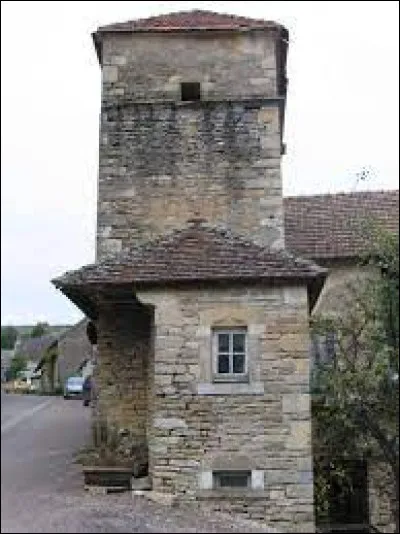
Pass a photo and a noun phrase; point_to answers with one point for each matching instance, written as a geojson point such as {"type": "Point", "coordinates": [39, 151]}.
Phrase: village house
{"type": "Point", "coordinates": [70, 353]}
{"type": "Point", "coordinates": [32, 350]}
{"type": "Point", "coordinates": [204, 279]}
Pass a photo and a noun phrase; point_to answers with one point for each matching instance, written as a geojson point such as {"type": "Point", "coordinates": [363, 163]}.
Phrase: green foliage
{"type": "Point", "coordinates": [40, 329]}
{"type": "Point", "coordinates": [17, 366]}
{"type": "Point", "coordinates": [9, 335]}
{"type": "Point", "coordinates": [358, 392]}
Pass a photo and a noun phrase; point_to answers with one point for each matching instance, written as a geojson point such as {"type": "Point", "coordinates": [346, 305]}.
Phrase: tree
{"type": "Point", "coordinates": [17, 365]}
{"type": "Point", "coordinates": [40, 329]}
{"type": "Point", "coordinates": [357, 402]}
{"type": "Point", "coordinates": [9, 335]}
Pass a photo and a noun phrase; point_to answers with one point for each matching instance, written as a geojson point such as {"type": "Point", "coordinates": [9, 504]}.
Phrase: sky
{"type": "Point", "coordinates": [342, 118]}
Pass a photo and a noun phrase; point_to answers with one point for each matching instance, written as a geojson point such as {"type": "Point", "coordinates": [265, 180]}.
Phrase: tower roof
{"type": "Point", "coordinates": [189, 20]}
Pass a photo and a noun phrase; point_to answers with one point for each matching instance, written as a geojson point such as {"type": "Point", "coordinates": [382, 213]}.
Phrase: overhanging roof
{"type": "Point", "coordinates": [196, 253]}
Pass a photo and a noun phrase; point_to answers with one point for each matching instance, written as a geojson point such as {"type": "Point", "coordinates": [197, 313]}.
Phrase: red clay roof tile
{"type": "Point", "coordinates": [189, 20]}
{"type": "Point", "coordinates": [195, 253]}
{"type": "Point", "coordinates": [333, 226]}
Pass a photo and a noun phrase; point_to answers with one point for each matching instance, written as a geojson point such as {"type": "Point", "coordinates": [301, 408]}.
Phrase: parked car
{"type": "Point", "coordinates": [74, 387]}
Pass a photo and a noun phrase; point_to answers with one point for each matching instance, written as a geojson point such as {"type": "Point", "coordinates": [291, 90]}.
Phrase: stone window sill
{"type": "Point", "coordinates": [230, 388]}
{"type": "Point", "coordinates": [232, 494]}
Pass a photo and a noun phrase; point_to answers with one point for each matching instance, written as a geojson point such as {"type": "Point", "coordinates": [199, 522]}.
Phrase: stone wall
{"type": "Point", "coordinates": [263, 426]}
{"type": "Point", "coordinates": [335, 295]}
{"type": "Point", "coordinates": [162, 164]}
{"type": "Point", "coordinates": [121, 378]}
{"type": "Point", "coordinates": [163, 161]}
{"type": "Point", "coordinates": [151, 66]}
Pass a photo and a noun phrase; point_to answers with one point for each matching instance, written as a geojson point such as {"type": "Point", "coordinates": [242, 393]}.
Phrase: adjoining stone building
{"type": "Point", "coordinates": [202, 313]}
{"type": "Point", "coordinates": [333, 231]}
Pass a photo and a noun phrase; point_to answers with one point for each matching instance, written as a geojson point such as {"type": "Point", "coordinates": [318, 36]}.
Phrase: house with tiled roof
{"type": "Point", "coordinates": [201, 308]}
{"type": "Point", "coordinates": [70, 354]}
{"type": "Point", "coordinates": [334, 231]}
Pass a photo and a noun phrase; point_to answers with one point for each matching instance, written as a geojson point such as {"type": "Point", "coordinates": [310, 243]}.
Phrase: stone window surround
{"type": "Point", "coordinates": [206, 384]}
{"type": "Point", "coordinates": [207, 488]}
{"type": "Point", "coordinates": [257, 481]}
{"type": "Point", "coordinates": [243, 479]}
{"type": "Point", "coordinates": [218, 462]}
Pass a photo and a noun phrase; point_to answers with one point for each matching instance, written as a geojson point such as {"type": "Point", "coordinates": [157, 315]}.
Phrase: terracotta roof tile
{"type": "Point", "coordinates": [190, 20]}
{"type": "Point", "coordinates": [195, 253]}
{"type": "Point", "coordinates": [333, 226]}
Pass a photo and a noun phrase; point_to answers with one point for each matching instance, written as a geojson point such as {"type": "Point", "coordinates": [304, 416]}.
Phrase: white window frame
{"type": "Point", "coordinates": [229, 377]}
{"type": "Point", "coordinates": [208, 480]}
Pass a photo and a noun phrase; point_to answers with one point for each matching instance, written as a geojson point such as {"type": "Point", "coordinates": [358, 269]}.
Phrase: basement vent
{"type": "Point", "coordinates": [231, 479]}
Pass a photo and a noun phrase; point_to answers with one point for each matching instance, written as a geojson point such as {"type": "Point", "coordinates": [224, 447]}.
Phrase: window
{"type": "Point", "coordinates": [324, 348]}
{"type": "Point", "coordinates": [230, 355]}
{"type": "Point", "coordinates": [231, 479]}
{"type": "Point", "coordinates": [190, 91]}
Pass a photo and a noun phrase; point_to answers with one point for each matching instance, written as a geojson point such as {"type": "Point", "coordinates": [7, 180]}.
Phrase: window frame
{"type": "Point", "coordinates": [324, 349]}
{"type": "Point", "coordinates": [217, 475]}
{"type": "Point", "coordinates": [230, 376]}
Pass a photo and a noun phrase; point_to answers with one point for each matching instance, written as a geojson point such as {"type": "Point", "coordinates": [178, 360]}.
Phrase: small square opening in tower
{"type": "Point", "coordinates": [190, 91]}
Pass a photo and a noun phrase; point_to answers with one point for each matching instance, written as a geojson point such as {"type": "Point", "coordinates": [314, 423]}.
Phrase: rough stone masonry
{"type": "Point", "coordinates": [163, 160]}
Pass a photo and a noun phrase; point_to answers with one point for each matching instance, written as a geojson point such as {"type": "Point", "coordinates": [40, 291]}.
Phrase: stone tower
{"type": "Point", "coordinates": [202, 317]}
{"type": "Point", "coordinates": [191, 126]}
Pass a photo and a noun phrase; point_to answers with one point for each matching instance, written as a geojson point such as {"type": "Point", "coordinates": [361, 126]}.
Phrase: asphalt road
{"type": "Point", "coordinates": [42, 488]}
{"type": "Point", "coordinates": [39, 436]}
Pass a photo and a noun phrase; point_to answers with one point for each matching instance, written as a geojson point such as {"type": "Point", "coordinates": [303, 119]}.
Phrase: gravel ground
{"type": "Point", "coordinates": [42, 488]}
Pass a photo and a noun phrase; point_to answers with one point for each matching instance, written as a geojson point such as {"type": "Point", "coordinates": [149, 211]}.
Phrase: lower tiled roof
{"type": "Point", "coordinates": [195, 253]}
{"type": "Point", "coordinates": [336, 226]}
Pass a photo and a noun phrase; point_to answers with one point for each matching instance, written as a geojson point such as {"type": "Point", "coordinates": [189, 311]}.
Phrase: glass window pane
{"type": "Point", "coordinates": [223, 342]}
{"type": "Point", "coordinates": [238, 363]}
{"type": "Point", "coordinates": [238, 342]}
{"type": "Point", "coordinates": [329, 347]}
{"type": "Point", "coordinates": [223, 363]}
{"type": "Point", "coordinates": [232, 479]}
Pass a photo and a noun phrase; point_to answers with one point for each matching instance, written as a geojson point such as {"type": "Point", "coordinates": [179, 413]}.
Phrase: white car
{"type": "Point", "coordinates": [74, 387]}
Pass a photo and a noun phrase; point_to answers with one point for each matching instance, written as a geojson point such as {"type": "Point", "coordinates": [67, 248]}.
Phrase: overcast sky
{"type": "Point", "coordinates": [342, 116]}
